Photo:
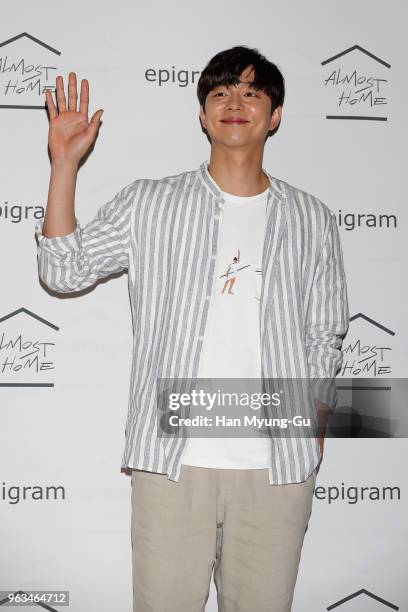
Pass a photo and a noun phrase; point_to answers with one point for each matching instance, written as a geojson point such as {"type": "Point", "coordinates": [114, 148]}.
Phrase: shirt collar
{"type": "Point", "coordinates": [212, 186]}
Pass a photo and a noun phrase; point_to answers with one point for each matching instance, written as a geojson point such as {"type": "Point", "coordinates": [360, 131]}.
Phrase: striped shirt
{"type": "Point", "coordinates": [165, 233]}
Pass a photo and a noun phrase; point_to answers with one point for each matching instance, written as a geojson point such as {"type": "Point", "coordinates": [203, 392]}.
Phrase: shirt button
{"type": "Point", "coordinates": [207, 298]}
{"type": "Point", "coordinates": [213, 256]}
{"type": "Point", "coordinates": [201, 338]}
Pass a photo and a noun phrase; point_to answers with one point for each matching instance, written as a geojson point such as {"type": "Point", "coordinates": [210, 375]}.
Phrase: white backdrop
{"type": "Point", "coordinates": [59, 375]}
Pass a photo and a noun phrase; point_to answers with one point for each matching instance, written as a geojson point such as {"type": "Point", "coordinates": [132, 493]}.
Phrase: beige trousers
{"type": "Point", "coordinates": [227, 520]}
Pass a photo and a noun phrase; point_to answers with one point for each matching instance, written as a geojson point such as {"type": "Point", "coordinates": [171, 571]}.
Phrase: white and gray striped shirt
{"type": "Point", "coordinates": [165, 233]}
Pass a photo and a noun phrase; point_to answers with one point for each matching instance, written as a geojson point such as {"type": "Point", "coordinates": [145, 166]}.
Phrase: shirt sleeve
{"type": "Point", "coordinates": [327, 319]}
{"type": "Point", "coordinates": [77, 260]}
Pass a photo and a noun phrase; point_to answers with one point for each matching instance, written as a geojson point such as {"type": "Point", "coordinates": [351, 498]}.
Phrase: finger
{"type": "Point", "coordinates": [94, 123]}
{"type": "Point", "coordinates": [49, 101]}
{"type": "Point", "coordinates": [84, 99]}
{"type": "Point", "coordinates": [72, 92]}
{"type": "Point", "coordinates": [60, 95]}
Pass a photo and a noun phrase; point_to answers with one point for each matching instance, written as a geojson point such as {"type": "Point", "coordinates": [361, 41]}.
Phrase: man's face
{"type": "Point", "coordinates": [226, 105]}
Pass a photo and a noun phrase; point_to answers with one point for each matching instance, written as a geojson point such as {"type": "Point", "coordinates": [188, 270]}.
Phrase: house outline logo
{"type": "Point", "coordinates": [386, 603]}
{"type": "Point", "coordinates": [361, 357]}
{"type": "Point", "coordinates": [360, 315]}
{"type": "Point", "coordinates": [43, 322]}
{"type": "Point", "coordinates": [3, 60]}
{"type": "Point", "coordinates": [358, 90]}
{"type": "Point", "coordinates": [356, 355]}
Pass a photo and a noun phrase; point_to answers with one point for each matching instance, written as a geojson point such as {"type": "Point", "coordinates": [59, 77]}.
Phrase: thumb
{"type": "Point", "coordinates": [95, 122]}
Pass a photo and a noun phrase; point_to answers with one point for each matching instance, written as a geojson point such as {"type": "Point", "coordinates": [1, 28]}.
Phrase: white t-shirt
{"type": "Point", "coordinates": [231, 345]}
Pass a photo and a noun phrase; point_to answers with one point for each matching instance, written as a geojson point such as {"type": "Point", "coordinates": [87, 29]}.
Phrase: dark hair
{"type": "Point", "coordinates": [226, 67]}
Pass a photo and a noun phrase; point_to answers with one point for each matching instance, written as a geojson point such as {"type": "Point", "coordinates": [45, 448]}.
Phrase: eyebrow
{"type": "Point", "coordinates": [243, 82]}
{"type": "Point", "coordinates": [246, 82]}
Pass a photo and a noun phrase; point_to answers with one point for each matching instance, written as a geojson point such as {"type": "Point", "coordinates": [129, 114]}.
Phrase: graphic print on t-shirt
{"type": "Point", "coordinates": [232, 270]}
{"type": "Point", "coordinates": [258, 281]}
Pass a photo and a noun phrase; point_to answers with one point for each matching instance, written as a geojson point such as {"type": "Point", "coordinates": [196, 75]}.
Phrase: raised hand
{"type": "Point", "coordinates": [70, 132]}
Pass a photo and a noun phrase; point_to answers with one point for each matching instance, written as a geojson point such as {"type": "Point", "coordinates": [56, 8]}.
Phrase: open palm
{"type": "Point", "coordinates": [70, 132]}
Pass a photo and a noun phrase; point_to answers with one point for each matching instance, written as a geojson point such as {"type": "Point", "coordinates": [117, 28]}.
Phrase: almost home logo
{"type": "Point", "coordinates": [370, 358]}
{"type": "Point", "coordinates": [357, 84]}
{"type": "Point", "coordinates": [368, 401]}
{"type": "Point", "coordinates": [26, 353]}
{"type": "Point", "coordinates": [28, 66]}
{"type": "Point", "coordinates": [353, 602]}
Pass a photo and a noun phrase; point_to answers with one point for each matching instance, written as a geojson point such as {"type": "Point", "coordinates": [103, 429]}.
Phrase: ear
{"type": "Point", "coordinates": [202, 117]}
{"type": "Point", "coordinates": [275, 118]}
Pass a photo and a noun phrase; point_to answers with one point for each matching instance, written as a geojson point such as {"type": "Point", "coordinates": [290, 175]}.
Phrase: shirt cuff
{"type": "Point", "coordinates": [325, 390]}
{"type": "Point", "coordinates": [68, 243]}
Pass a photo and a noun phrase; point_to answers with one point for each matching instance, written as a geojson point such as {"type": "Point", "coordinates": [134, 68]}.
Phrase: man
{"type": "Point", "coordinates": [235, 506]}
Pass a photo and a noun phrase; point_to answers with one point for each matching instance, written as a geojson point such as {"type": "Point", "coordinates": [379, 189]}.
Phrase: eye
{"type": "Point", "coordinates": [252, 91]}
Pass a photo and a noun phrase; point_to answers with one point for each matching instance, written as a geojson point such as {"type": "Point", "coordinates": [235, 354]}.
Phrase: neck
{"type": "Point", "coordinates": [240, 174]}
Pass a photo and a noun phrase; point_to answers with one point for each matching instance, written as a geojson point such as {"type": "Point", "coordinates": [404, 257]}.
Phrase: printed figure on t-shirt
{"type": "Point", "coordinates": [232, 270]}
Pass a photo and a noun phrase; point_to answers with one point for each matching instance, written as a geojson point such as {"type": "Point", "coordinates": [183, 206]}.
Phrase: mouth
{"type": "Point", "coordinates": [233, 121]}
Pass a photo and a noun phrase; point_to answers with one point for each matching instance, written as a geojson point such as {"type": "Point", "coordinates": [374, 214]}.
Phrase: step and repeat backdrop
{"type": "Point", "coordinates": [65, 358]}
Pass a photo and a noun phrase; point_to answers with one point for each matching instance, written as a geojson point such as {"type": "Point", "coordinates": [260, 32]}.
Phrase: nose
{"type": "Point", "coordinates": [234, 100]}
